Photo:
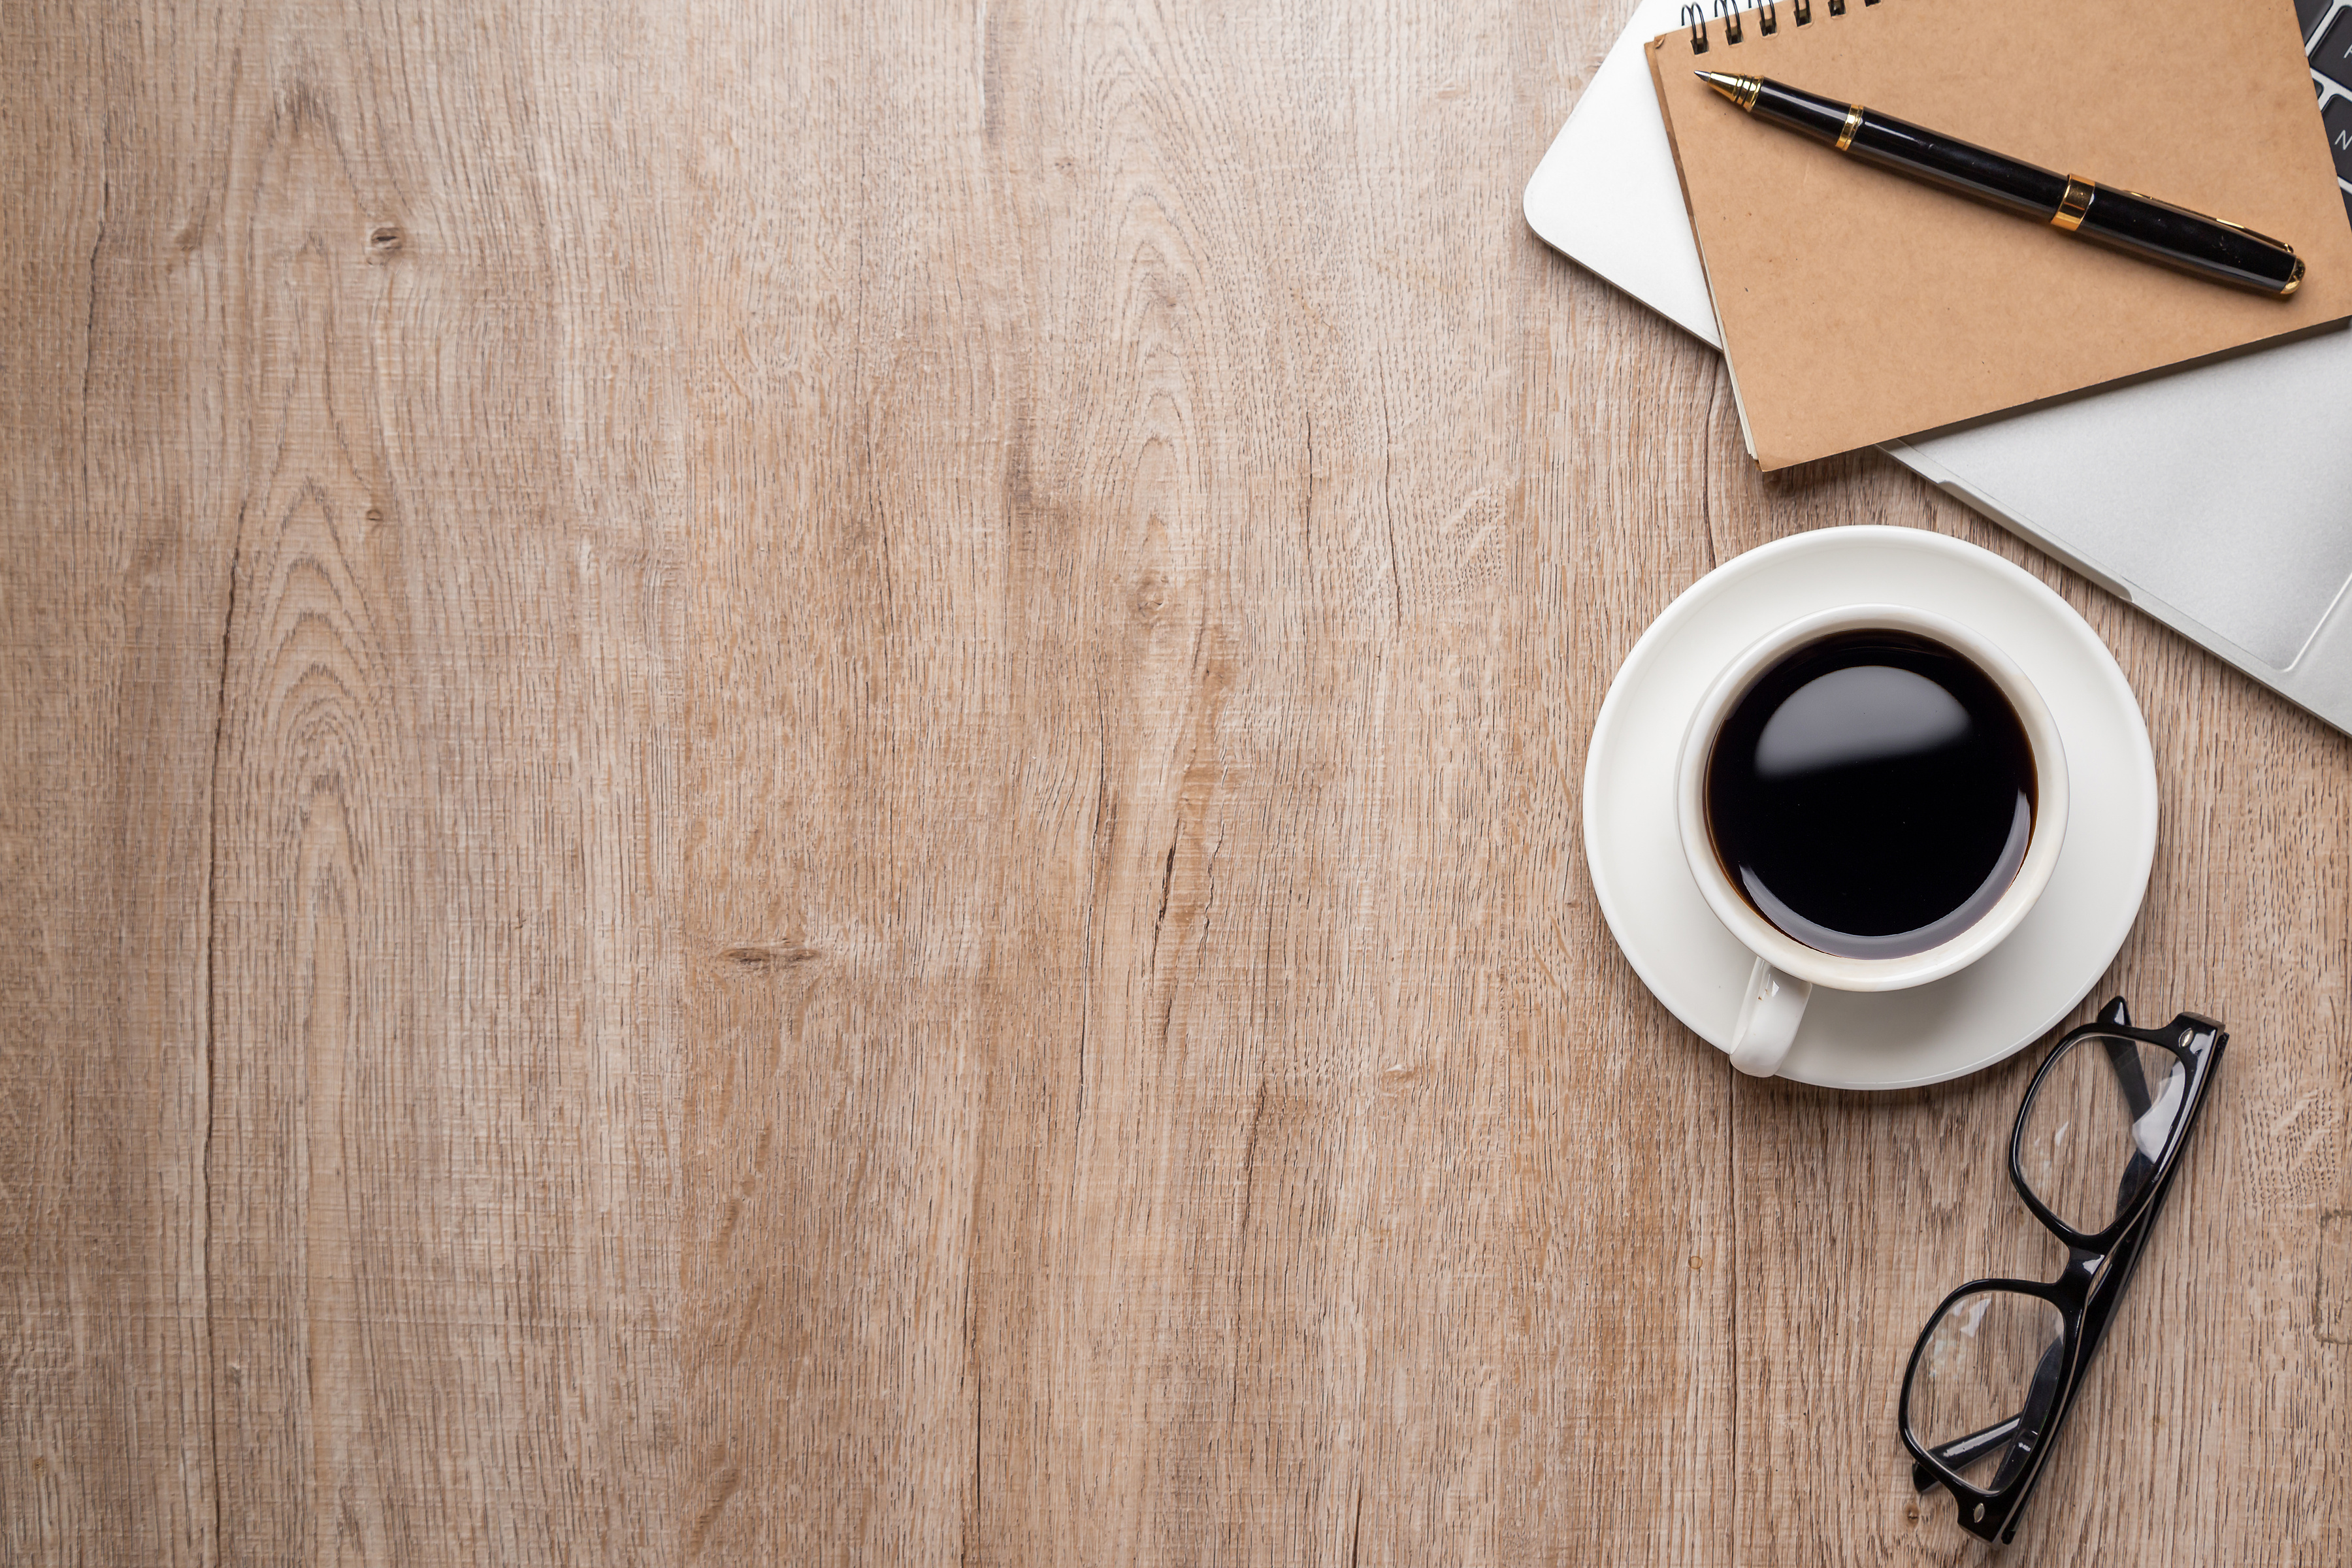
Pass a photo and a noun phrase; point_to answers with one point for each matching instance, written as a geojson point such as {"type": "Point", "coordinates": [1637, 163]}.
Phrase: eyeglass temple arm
{"type": "Point", "coordinates": [2123, 1057]}
{"type": "Point", "coordinates": [1960, 1449]}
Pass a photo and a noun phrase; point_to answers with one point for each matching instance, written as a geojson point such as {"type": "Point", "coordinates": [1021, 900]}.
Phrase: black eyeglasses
{"type": "Point", "coordinates": [2093, 1155]}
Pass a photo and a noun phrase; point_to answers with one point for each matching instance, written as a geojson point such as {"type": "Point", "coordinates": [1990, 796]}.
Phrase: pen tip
{"type": "Point", "coordinates": [1741, 89]}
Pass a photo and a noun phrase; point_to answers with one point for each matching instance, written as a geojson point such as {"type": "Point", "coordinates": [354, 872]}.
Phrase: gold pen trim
{"type": "Point", "coordinates": [1742, 90]}
{"type": "Point", "coordinates": [2074, 204]}
{"type": "Point", "coordinates": [1852, 124]}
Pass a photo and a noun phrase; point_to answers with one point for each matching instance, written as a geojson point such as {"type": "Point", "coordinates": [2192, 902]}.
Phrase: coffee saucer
{"type": "Point", "coordinates": [1892, 1039]}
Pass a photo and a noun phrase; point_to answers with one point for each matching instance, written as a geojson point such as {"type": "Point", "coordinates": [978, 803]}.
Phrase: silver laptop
{"type": "Point", "coordinates": [2218, 499]}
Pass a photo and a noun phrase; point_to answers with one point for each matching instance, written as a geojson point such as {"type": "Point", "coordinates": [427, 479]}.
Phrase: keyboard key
{"type": "Point", "coordinates": [2337, 118]}
{"type": "Point", "coordinates": [2333, 59]}
{"type": "Point", "coordinates": [2307, 13]}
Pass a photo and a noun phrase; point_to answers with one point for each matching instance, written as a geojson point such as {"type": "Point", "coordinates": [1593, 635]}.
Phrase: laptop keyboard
{"type": "Point", "coordinates": [2332, 55]}
{"type": "Point", "coordinates": [2328, 39]}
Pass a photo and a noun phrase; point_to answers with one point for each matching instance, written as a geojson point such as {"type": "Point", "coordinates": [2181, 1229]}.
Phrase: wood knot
{"type": "Point", "coordinates": [385, 238]}
{"type": "Point", "coordinates": [1150, 596]}
{"type": "Point", "coordinates": [761, 956]}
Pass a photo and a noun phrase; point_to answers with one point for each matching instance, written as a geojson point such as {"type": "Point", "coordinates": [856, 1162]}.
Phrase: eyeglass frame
{"type": "Point", "coordinates": [2099, 1267]}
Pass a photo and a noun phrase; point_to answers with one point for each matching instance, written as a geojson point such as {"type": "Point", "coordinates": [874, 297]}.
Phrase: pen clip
{"type": "Point", "coordinates": [2208, 217]}
{"type": "Point", "coordinates": [2253, 233]}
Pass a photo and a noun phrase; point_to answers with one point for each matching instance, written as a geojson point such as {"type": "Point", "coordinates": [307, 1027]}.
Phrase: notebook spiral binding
{"type": "Point", "coordinates": [1768, 19]}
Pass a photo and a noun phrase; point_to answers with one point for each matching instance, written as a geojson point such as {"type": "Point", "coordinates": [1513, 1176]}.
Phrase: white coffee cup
{"type": "Point", "coordinates": [1785, 971]}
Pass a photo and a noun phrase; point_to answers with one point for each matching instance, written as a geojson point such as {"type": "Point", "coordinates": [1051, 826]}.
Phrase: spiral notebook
{"type": "Point", "coordinates": [1857, 306]}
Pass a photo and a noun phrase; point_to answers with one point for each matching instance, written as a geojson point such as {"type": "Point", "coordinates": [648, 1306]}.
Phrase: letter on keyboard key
{"type": "Point", "coordinates": [2333, 58]}
{"type": "Point", "coordinates": [2337, 118]}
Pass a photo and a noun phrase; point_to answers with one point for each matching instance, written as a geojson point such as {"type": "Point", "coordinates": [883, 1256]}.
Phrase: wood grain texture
{"type": "Point", "coordinates": [345, 603]}
{"type": "Point", "coordinates": [802, 783]}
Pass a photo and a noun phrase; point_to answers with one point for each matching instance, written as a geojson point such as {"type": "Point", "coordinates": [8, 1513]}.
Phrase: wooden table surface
{"type": "Point", "coordinates": [800, 783]}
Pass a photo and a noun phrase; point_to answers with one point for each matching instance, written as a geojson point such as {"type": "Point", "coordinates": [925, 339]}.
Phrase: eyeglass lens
{"type": "Point", "coordinates": [1986, 1381]}
{"type": "Point", "coordinates": [2099, 1125]}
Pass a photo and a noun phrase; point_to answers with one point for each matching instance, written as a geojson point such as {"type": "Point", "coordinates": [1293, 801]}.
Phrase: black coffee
{"type": "Point", "coordinates": [1872, 794]}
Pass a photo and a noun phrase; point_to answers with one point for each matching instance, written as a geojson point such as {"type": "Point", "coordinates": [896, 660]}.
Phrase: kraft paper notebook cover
{"type": "Point", "coordinates": [1858, 306]}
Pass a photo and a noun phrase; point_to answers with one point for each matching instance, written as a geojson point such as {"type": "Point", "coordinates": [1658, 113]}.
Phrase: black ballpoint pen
{"type": "Point", "coordinates": [2122, 220]}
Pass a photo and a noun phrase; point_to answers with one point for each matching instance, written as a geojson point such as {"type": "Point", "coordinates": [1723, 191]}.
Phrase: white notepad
{"type": "Point", "coordinates": [1607, 194]}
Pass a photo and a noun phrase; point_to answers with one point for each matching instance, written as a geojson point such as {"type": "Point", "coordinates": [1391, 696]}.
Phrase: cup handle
{"type": "Point", "coordinates": [1769, 1011]}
